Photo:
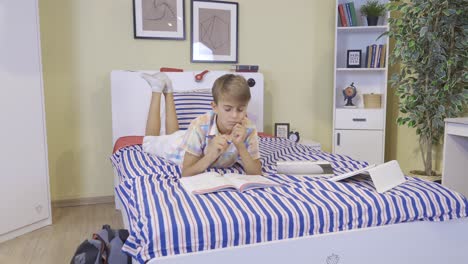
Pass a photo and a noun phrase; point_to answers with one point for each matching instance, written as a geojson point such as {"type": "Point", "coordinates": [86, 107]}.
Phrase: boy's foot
{"type": "Point", "coordinates": [168, 88]}
{"type": "Point", "coordinates": [157, 81]}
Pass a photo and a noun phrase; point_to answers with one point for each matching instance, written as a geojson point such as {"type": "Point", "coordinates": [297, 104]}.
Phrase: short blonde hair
{"type": "Point", "coordinates": [233, 86]}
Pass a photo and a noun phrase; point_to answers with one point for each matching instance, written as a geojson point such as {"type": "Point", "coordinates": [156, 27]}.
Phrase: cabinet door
{"type": "Point", "coordinates": [365, 145]}
{"type": "Point", "coordinates": [24, 187]}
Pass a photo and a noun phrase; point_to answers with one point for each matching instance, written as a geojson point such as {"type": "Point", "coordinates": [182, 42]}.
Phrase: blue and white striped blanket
{"type": "Point", "coordinates": [166, 220]}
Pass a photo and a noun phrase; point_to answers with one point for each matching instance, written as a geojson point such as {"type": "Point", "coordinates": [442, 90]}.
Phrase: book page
{"type": "Point", "coordinates": [246, 182]}
{"type": "Point", "coordinates": [205, 183]}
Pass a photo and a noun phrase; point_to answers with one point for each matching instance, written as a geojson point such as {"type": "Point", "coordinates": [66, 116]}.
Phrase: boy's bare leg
{"type": "Point", "coordinates": [160, 83]}
{"type": "Point", "coordinates": [153, 123]}
{"type": "Point", "coordinates": [172, 124]}
{"type": "Point", "coordinates": [157, 82]}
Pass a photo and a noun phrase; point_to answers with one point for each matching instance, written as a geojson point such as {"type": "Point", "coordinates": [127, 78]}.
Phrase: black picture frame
{"type": "Point", "coordinates": [282, 130]}
{"type": "Point", "coordinates": [353, 58]}
{"type": "Point", "coordinates": [214, 31]}
{"type": "Point", "coordinates": [159, 19]}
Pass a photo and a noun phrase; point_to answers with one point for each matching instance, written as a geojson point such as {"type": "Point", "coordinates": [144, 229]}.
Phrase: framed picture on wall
{"type": "Point", "coordinates": [159, 19]}
{"type": "Point", "coordinates": [282, 130]}
{"type": "Point", "coordinates": [214, 31]}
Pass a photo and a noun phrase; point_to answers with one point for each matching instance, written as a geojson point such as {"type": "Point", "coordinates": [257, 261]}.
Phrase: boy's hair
{"type": "Point", "coordinates": [233, 86]}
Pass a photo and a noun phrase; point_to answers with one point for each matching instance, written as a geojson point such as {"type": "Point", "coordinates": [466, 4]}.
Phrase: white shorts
{"type": "Point", "coordinates": [165, 145]}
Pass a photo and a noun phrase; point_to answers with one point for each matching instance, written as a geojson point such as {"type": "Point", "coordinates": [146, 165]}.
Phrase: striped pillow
{"type": "Point", "coordinates": [190, 105]}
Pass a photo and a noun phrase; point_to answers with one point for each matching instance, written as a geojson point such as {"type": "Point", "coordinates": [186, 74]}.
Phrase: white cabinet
{"type": "Point", "coordinates": [358, 119]}
{"type": "Point", "coordinates": [24, 187]}
{"type": "Point", "coordinates": [361, 130]}
{"type": "Point", "coordinates": [364, 145]}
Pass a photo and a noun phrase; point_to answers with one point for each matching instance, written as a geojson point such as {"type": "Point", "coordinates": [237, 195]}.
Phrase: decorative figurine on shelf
{"type": "Point", "coordinates": [349, 93]}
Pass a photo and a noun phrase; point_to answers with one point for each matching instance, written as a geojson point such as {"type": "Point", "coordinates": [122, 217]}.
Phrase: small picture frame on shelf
{"type": "Point", "coordinates": [353, 59]}
{"type": "Point", "coordinates": [282, 130]}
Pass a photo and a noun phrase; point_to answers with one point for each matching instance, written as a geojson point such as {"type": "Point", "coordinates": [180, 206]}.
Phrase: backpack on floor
{"type": "Point", "coordinates": [104, 248]}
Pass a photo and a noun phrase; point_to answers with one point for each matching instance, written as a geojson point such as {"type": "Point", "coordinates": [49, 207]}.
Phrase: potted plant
{"type": "Point", "coordinates": [432, 52]}
{"type": "Point", "coordinates": [372, 9]}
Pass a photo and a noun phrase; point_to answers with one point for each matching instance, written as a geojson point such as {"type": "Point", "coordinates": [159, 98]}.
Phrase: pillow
{"type": "Point", "coordinates": [190, 105]}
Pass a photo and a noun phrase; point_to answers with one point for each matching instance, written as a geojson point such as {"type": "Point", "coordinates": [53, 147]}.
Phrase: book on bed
{"type": "Point", "coordinates": [305, 167]}
{"type": "Point", "coordinates": [384, 176]}
{"type": "Point", "coordinates": [209, 182]}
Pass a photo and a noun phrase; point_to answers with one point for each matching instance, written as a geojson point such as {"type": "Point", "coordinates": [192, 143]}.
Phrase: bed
{"type": "Point", "coordinates": [305, 220]}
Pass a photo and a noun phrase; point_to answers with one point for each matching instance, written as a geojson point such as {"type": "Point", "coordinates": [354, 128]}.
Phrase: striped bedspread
{"type": "Point", "coordinates": [166, 220]}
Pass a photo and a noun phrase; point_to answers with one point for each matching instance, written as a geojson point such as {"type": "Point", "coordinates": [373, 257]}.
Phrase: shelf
{"type": "Point", "coordinates": [363, 29]}
{"type": "Point", "coordinates": [361, 69]}
{"type": "Point", "coordinates": [358, 109]}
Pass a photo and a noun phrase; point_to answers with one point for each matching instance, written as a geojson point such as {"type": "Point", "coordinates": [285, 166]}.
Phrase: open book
{"type": "Point", "coordinates": [384, 176]}
{"type": "Point", "coordinates": [214, 182]}
{"type": "Point", "coordinates": [304, 167]}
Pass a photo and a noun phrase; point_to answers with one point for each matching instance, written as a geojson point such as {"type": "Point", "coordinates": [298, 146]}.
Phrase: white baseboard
{"type": "Point", "coordinates": [83, 201]}
{"type": "Point", "coordinates": [26, 229]}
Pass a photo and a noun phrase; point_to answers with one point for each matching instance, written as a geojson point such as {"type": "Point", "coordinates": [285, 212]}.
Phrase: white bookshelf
{"type": "Point", "coordinates": [359, 132]}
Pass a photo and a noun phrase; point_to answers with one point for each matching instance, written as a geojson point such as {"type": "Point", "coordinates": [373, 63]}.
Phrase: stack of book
{"type": "Point", "coordinates": [244, 68]}
{"type": "Point", "coordinates": [347, 15]}
{"type": "Point", "coordinates": [375, 56]}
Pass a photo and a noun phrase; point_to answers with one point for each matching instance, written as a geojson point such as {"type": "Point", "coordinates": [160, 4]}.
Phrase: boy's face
{"type": "Point", "coordinates": [229, 114]}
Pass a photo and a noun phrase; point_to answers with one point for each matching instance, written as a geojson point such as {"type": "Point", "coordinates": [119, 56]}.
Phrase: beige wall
{"type": "Point", "coordinates": [82, 41]}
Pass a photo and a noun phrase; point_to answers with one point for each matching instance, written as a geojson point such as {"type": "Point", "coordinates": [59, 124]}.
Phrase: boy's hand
{"type": "Point", "coordinates": [217, 146]}
{"type": "Point", "coordinates": [238, 134]}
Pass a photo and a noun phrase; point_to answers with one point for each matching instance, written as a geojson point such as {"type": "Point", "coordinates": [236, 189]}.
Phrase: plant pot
{"type": "Point", "coordinates": [372, 20]}
{"type": "Point", "coordinates": [421, 175]}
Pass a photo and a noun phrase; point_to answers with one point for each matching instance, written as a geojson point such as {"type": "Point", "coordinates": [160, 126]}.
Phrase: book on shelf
{"type": "Point", "coordinates": [347, 15]}
{"type": "Point", "coordinates": [244, 68]}
{"type": "Point", "coordinates": [376, 56]}
{"type": "Point", "coordinates": [342, 16]}
{"type": "Point", "coordinates": [353, 13]}
{"type": "Point", "coordinates": [373, 53]}
{"type": "Point", "coordinates": [384, 176]}
{"type": "Point", "coordinates": [210, 182]}
{"type": "Point", "coordinates": [383, 56]}
{"type": "Point", "coordinates": [305, 167]}
{"type": "Point", "coordinates": [367, 57]}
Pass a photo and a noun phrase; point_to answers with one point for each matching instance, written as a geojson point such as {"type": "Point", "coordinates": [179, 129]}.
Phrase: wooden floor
{"type": "Point", "coordinates": [57, 243]}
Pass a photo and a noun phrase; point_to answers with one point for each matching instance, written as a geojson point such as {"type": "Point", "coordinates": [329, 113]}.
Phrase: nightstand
{"type": "Point", "coordinates": [314, 144]}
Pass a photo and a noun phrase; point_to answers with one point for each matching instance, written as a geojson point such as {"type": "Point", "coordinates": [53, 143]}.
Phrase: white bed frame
{"type": "Point", "coordinates": [414, 242]}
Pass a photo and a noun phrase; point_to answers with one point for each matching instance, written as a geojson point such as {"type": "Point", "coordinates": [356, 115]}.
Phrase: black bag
{"type": "Point", "coordinates": [104, 248]}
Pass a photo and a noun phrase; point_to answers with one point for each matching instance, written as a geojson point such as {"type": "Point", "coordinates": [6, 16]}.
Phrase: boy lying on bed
{"type": "Point", "coordinates": [219, 138]}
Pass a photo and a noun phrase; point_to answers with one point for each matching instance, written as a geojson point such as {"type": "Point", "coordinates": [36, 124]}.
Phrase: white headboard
{"type": "Point", "coordinates": [131, 97]}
